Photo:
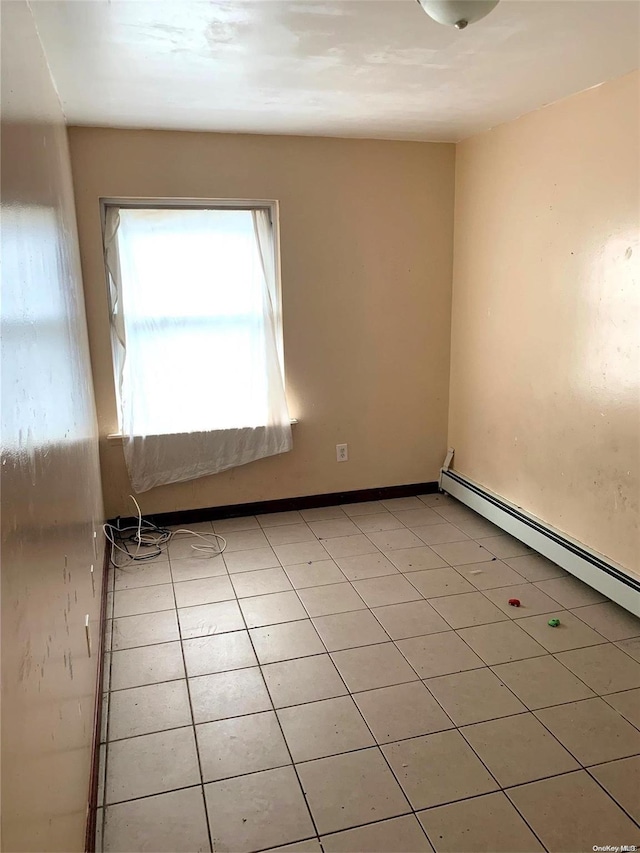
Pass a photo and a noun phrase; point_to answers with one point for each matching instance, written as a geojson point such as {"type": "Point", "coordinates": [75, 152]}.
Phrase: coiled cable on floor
{"type": "Point", "coordinates": [145, 540]}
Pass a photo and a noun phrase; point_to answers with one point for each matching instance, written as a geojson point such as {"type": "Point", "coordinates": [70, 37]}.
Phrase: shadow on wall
{"type": "Point", "coordinates": [51, 490]}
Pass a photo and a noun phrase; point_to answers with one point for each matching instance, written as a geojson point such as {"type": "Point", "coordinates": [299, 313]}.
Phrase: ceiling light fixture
{"type": "Point", "coordinates": [457, 13]}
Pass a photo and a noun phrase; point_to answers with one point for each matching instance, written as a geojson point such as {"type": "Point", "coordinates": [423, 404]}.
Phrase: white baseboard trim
{"type": "Point", "coordinates": [592, 568]}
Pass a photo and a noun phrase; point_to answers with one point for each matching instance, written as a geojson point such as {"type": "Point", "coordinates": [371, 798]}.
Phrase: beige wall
{"type": "Point", "coordinates": [366, 234]}
{"type": "Point", "coordinates": [545, 370]}
{"type": "Point", "coordinates": [51, 498]}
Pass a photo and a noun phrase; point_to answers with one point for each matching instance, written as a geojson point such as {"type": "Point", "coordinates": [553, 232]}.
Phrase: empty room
{"type": "Point", "coordinates": [320, 471]}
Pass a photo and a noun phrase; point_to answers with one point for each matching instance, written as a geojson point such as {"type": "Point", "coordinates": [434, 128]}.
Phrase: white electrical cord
{"type": "Point", "coordinates": [153, 537]}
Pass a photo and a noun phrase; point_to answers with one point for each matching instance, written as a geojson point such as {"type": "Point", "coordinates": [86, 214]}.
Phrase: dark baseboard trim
{"type": "Point", "coordinates": [213, 513]}
{"type": "Point", "coordinates": [92, 809]}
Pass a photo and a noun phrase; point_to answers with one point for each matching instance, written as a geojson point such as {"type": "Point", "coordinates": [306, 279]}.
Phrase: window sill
{"type": "Point", "coordinates": [118, 438]}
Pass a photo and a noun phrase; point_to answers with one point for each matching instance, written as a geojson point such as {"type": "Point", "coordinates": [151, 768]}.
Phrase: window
{"type": "Point", "coordinates": [193, 303]}
{"type": "Point", "coordinates": [196, 335]}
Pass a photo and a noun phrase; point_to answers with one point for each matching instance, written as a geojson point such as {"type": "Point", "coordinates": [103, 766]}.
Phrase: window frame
{"type": "Point", "coordinates": [271, 205]}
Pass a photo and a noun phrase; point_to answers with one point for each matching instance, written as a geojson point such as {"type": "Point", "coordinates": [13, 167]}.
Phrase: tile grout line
{"type": "Point", "coordinates": [359, 711]}
{"type": "Point", "coordinates": [608, 793]}
{"type": "Point", "coordinates": [454, 725]}
{"type": "Point", "coordinates": [192, 787]}
{"type": "Point", "coordinates": [350, 695]}
{"type": "Point", "coordinates": [104, 770]}
{"type": "Point", "coordinates": [617, 693]}
{"type": "Point", "coordinates": [584, 767]}
{"type": "Point", "coordinates": [246, 628]}
{"type": "Point", "coordinates": [545, 653]}
{"type": "Point", "coordinates": [370, 610]}
{"type": "Point", "coordinates": [458, 728]}
{"type": "Point", "coordinates": [500, 788]}
{"type": "Point", "coordinates": [193, 722]}
{"type": "Point", "coordinates": [505, 621]}
{"type": "Point", "coordinates": [275, 713]}
{"type": "Point", "coordinates": [375, 746]}
{"type": "Point", "coordinates": [378, 746]}
{"type": "Point", "coordinates": [581, 765]}
{"type": "Point", "coordinates": [386, 555]}
{"type": "Point", "coordinates": [526, 710]}
{"type": "Point", "coordinates": [582, 681]}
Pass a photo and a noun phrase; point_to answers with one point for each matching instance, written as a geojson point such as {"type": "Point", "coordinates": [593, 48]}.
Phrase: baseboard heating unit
{"type": "Point", "coordinates": [591, 568]}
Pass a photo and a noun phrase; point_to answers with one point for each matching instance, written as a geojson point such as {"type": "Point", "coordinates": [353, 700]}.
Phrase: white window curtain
{"type": "Point", "coordinates": [196, 343]}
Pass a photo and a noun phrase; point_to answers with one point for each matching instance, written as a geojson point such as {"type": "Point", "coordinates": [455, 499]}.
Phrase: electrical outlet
{"type": "Point", "coordinates": [342, 452]}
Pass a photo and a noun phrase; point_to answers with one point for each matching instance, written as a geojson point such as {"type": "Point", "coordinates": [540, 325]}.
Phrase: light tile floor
{"type": "Point", "coordinates": [353, 679]}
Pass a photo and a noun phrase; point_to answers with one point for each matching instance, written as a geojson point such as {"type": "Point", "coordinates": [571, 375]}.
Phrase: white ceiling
{"type": "Point", "coordinates": [365, 68]}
